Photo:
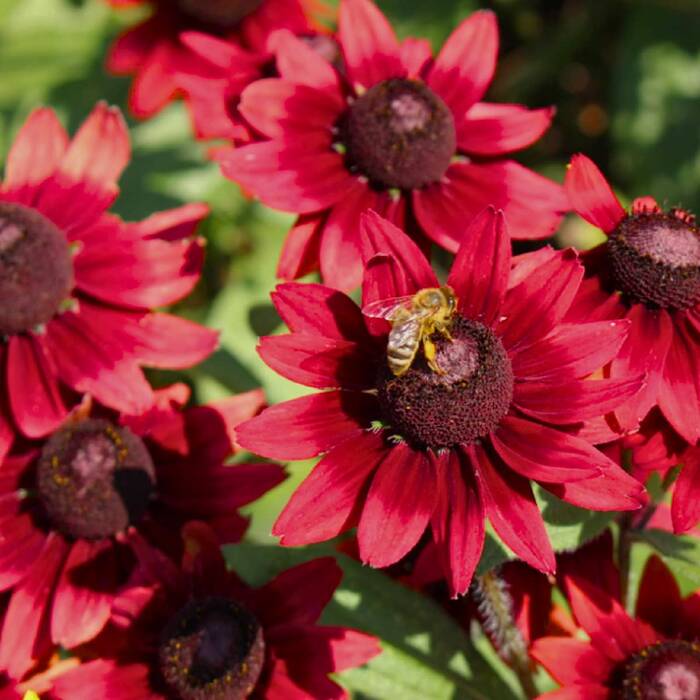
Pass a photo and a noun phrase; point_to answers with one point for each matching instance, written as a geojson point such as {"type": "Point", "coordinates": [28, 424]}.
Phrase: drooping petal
{"type": "Point", "coordinates": [322, 363]}
{"type": "Point", "coordinates": [591, 196]}
{"type": "Point", "coordinates": [512, 510]}
{"type": "Point", "coordinates": [539, 303]}
{"type": "Point", "coordinates": [465, 65]}
{"type": "Point", "coordinates": [658, 583]}
{"type": "Point", "coordinates": [572, 350]}
{"type": "Point", "coordinates": [36, 151]}
{"type": "Point", "coordinates": [33, 392]}
{"type": "Point", "coordinates": [379, 236]}
{"type": "Point", "coordinates": [155, 84]}
{"type": "Point", "coordinates": [479, 274]}
{"type": "Point", "coordinates": [399, 505]}
{"type": "Point", "coordinates": [314, 309]}
{"type": "Point", "coordinates": [495, 129]}
{"type": "Point", "coordinates": [574, 400]}
{"type": "Point", "coordinates": [545, 454]}
{"type": "Point", "coordinates": [305, 427]}
{"type": "Point", "coordinates": [457, 522]}
{"type": "Point", "coordinates": [685, 508]}
{"type": "Point", "coordinates": [323, 506]}
{"type": "Point", "coordinates": [572, 661]}
{"type": "Point", "coordinates": [132, 47]}
{"type": "Point", "coordinates": [644, 352]}
{"type": "Point", "coordinates": [370, 47]}
{"type": "Point", "coordinates": [614, 489]}
{"type": "Point", "coordinates": [533, 205]}
{"type": "Point", "coordinates": [300, 250]}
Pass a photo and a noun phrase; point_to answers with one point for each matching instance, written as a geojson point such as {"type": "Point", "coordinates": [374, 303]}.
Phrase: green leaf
{"type": "Point", "coordinates": [426, 655]}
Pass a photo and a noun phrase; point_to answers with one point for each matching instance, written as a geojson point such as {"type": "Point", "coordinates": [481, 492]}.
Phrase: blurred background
{"type": "Point", "coordinates": [624, 76]}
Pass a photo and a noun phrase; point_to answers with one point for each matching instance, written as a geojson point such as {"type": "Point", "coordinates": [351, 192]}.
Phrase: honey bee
{"type": "Point", "coordinates": [414, 319]}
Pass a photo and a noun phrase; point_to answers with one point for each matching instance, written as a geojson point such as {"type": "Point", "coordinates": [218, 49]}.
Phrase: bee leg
{"type": "Point", "coordinates": [446, 332]}
{"type": "Point", "coordinates": [430, 352]}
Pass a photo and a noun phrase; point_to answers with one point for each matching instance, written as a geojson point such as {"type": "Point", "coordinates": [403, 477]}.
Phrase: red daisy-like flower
{"type": "Point", "coordinates": [443, 449]}
{"type": "Point", "coordinates": [393, 130]}
{"type": "Point", "coordinates": [77, 284]}
{"type": "Point", "coordinates": [647, 271]}
{"type": "Point", "coordinates": [156, 54]}
{"type": "Point", "coordinates": [652, 656]}
{"type": "Point", "coordinates": [74, 507]}
{"type": "Point", "coordinates": [203, 633]}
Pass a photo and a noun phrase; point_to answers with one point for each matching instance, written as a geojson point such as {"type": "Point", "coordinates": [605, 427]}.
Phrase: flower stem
{"type": "Point", "coordinates": [496, 612]}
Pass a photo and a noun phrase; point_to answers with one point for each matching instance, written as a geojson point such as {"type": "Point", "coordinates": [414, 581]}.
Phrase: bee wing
{"type": "Point", "coordinates": [387, 308]}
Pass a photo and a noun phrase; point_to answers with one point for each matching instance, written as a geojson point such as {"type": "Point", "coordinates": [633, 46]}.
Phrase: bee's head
{"type": "Point", "coordinates": [432, 298]}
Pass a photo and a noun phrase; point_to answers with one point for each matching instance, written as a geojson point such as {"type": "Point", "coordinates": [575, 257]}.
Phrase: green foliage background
{"type": "Point", "coordinates": [625, 77]}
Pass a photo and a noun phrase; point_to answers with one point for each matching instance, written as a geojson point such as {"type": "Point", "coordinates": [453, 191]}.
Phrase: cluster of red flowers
{"type": "Point", "coordinates": [437, 403]}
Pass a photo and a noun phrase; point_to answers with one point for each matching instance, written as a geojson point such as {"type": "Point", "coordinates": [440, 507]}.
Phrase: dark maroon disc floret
{"type": "Point", "coordinates": [399, 134]}
{"type": "Point", "coordinates": [36, 269]}
{"type": "Point", "coordinates": [212, 649]}
{"type": "Point", "coordinates": [94, 479]}
{"type": "Point", "coordinates": [460, 405]}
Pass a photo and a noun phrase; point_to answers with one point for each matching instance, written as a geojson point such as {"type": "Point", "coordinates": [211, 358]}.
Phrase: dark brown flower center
{"type": "Point", "coordinates": [213, 649]}
{"type": "Point", "coordinates": [36, 270]}
{"type": "Point", "coordinates": [399, 134]}
{"type": "Point", "coordinates": [458, 406]}
{"type": "Point", "coordinates": [94, 479]}
{"type": "Point", "coordinates": [218, 14]}
{"type": "Point", "coordinates": [656, 260]}
{"type": "Point", "coordinates": [662, 671]}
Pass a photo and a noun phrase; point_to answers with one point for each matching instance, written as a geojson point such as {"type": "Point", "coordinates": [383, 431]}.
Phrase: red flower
{"type": "Point", "coordinates": [204, 633]}
{"type": "Point", "coordinates": [393, 128]}
{"type": "Point", "coordinates": [75, 506]}
{"type": "Point", "coordinates": [445, 450]}
{"type": "Point", "coordinates": [77, 284]}
{"type": "Point", "coordinates": [154, 51]}
{"type": "Point", "coordinates": [654, 655]}
{"type": "Point", "coordinates": [648, 271]}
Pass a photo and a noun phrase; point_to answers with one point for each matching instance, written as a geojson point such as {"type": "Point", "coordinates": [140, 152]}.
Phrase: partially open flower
{"type": "Point", "coordinates": [205, 635]}
{"type": "Point", "coordinates": [101, 486]}
{"type": "Point", "coordinates": [456, 436]}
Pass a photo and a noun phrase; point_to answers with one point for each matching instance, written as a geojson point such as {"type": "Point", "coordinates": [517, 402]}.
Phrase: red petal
{"type": "Point", "coordinates": [32, 388]}
{"type": "Point", "coordinates": [587, 691]}
{"type": "Point", "coordinates": [100, 149]}
{"type": "Point", "coordinates": [398, 508]}
{"type": "Point", "coordinates": [299, 595]}
{"type": "Point", "coordinates": [307, 426]}
{"type": "Point", "coordinates": [21, 544]}
{"type": "Point", "coordinates": [24, 635]}
{"type": "Point", "coordinates": [300, 251]}
{"type": "Point", "coordinates": [542, 453]}
{"type": "Point", "coordinates": [479, 274]}
{"type": "Point", "coordinates": [591, 196]}
{"type": "Point", "coordinates": [379, 236]}
{"type": "Point", "coordinates": [495, 129]}
{"type": "Point", "coordinates": [132, 47]}
{"type": "Point", "coordinates": [315, 309]}
{"type": "Point", "coordinates": [574, 400]}
{"type": "Point", "coordinates": [172, 224]}
{"type": "Point", "coordinates": [513, 512]}
{"type": "Point", "coordinates": [614, 489]}
{"type": "Point", "coordinates": [155, 84]}
{"type": "Point", "coordinates": [370, 47]}
{"type": "Point", "coordinates": [658, 584]}
{"type": "Point", "coordinates": [300, 177]}
{"type": "Point", "coordinates": [322, 363]}
{"type": "Point", "coordinates": [537, 305]}
{"type": "Point", "coordinates": [36, 151]}
{"type": "Point", "coordinates": [643, 353]}
{"type": "Point", "coordinates": [86, 587]}
{"type": "Point", "coordinates": [415, 54]}
{"type": "Point", "coordinates": [116, 681]}
{"type": "Point", "coordinates": [533, 205]}
{"type": "Point", "coordinates": [457, 523]}
{"type": "Point", "coordinates": [572, 350]}
{"type": "Point", "coordinates": [685, 508]}
{"type": "Point", "coordinates": [300, 64]}
{"type": "Point", "coordinates": [465, 65]}
{"type": "Point", "coordinates": [679, 393]}
{"type": "Point", "coordinates": [572, 661]}
{"type": "Point", "coordinates": [323, 506]}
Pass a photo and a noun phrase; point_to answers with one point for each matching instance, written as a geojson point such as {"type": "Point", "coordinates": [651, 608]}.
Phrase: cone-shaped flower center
{"type": "Point", "coordinates": [463, 402]}
{"type": "Point", "coordinates": [399, 134]}
{"type": "Point", "coordinates": [213, 649]}
{"type": "Point", "coordinates": [218, 14]}
{"type": "Point", "coordinates": [36, 270]}
{"type": "Point", "coordinates": [94, 479]}
{"type": "Point", "coordinates": [656, 260]}
{"type": "Point", "coordinates": [663, 671]}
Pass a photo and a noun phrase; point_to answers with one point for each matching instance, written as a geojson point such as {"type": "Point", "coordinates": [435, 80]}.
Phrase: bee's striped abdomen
{"type": "Point", "coordinates": [402, 345]}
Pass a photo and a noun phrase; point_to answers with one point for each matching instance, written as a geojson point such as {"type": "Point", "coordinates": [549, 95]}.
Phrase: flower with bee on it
{"type": "Point", "coordinates": [513, 401]}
